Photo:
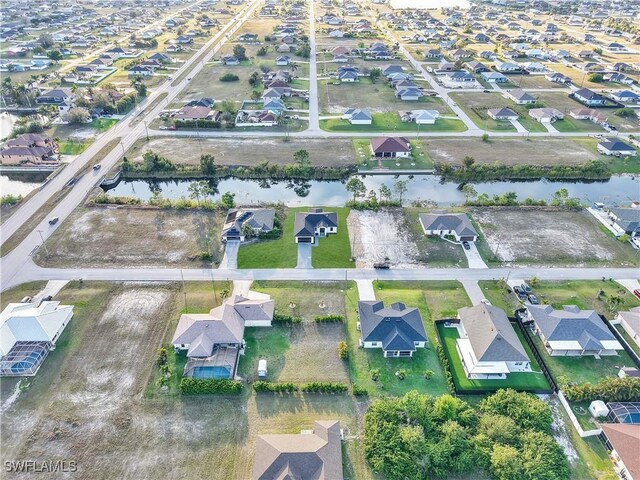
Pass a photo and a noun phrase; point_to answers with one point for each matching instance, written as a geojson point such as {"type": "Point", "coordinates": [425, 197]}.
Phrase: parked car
{"type": "Point", "coordinates": [26, 300]}
{"type": "Point", "coordinates": [533, 300]}
{"type": "Point", "coordinates": [97, 166]}
{"type": "Point", "coordinates": [485, 301]}
{"type": "Point", "coordinates": [636, 292]}
{"type": "Point", "coordinates": [53, 220]}
{"type": "Point", "coordinates": [466, 245]}
{"type": "Point", "coordinates": [519, 293]}
{"type": "Point", "coordinates": [262, 368]}
{"type": "Point", "coordinates": [526, 289]}
{"type": "Point", "coordinates": [47, 298]}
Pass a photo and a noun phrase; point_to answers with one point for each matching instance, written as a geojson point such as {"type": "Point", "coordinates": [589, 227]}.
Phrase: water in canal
{"type": "Point", "coordinates": [619, 190]}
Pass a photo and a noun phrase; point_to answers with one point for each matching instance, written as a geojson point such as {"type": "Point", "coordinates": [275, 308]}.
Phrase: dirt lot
{"type": "Point", "coordinates": [248, 151]}
{"type": "Point", "coordinates": [376, 236]}
{"type": "Point", "coordinates": [538, 151]}
{"type": "Point", "coordinates": [101, 237]}
{"type": "Point", "coordinates": [550, 238]}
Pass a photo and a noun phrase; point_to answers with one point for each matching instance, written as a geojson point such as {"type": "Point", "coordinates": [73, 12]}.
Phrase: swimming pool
{"type": "Point", "coordinates": [211, 372]}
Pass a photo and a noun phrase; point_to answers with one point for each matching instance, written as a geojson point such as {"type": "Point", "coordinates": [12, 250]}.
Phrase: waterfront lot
{"type": "Point", "coordinates": [431, 298]}
{"type": "Point", "coordinates": [292, 352]}
{"type": "Point", "coordinates": [542, 237]}
{"type": "Point", "coordinates": [88, 401]}
{"type": "Point", "coordinates": [521, 381]}
{"type": "Point", "coordinates": [539, 151]}
{"type": "Point", "coordinates": [333, 251]}
{"type": "Point", "coordinates": [391, 122]}
{"type": "Point", "coordinates": [336, 152]}
{"type": "Point", "coordinates": [106, 237]}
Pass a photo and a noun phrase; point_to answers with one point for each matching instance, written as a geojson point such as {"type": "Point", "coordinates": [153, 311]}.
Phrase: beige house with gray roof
{"type": "Point", "coordinates": [311, 455]}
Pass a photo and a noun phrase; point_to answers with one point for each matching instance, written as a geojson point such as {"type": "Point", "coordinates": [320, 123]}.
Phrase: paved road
{"type": "Point", "coordinates": [31, 272]}
{"type": "Point", "coordinates": [314, 123]}
{"type": "Point", "coordinates": [128, 131]}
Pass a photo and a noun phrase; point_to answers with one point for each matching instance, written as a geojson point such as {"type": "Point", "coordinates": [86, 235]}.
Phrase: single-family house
{"type": "Point", "coordinates": [29, 149]}
{"type": "Point", "coordinates": [140, 70]}
{"type": "Point", "coordinates": [493, 77]}
{"type": "Point", "coordinates": [623, 442]}
{"type": "Point", "coordinates": [257, 118]}
{"type": "Point", "coordinates": [283, 60]}
{"type": "Point", "coordinates": [460, 76]}
{"type": "Point", "coordinates": [625, 220]}
{"type": "Point", "coordinates": [28, 332]}
{"type": "Point", "coordinates": [506, 66]}
{"type": "Point", "coordinates": [618, 78]}
{"type": "Point", "coordinates": [313, 454]}
{"type": "Point", "coordinates": [546, 115]}
{"type": "Point", "coordinates": [588, 114]}
{"type": "Point", "coordinates": [397, 330]}
{"type": "Point", "coordinates": [446, 66]}
{"type": "Point", "coordinates": [502, 114]}
{"type": "Point", "coordinates": [488, 345]}
{"type": "Point", "coordinates": [55, 96]}
{"type": "Point", "coordinates": [630, 319]}
{"type": "Point", "coordinates": [433, 54]}
{"type": "Point", "coordinates": [310, 226]}
{"type": "Point", "coordinates": [588, 97]}
{"type": "Point", "coordinates": [229, 60]}
{"type": "Point", "coordinates": [347, 73]}
{"type": "Point", "coordinates": [625, 96]}
{"type": "Point", "coordinates": [392, 69]}
{"type": "Point", "coordinates": [477, 67]}
{"type": "Point", "coordinates": [613, 146]}
{"type": "Point", "coordinates": [520, 97]}
{"type": "Point", "coordinates": [456, 225]}
{"type": "Point", "coordinates": [244, 223]}
{"type": "Point", "coordinates": [556, 77]}
{"type": "Point", "coordinates": [213, 341]}
{"type": "Point", "coordinates": [572, 331]}
{"type": "Point", "coordinates": [421, 117]}
{"type": "Point", "coordinates": [357, 116]}
{"type": "Point", "coordinates": [409, 93]}
{"type": "Point", "coordinates": [390, 147]}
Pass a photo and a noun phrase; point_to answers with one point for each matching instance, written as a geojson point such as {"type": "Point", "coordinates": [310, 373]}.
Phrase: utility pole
{"type": "Point", "coordinates": [184, 290]}
{"type": "Point", "coordinates": [43, 244]}
{"type": "Point", "coordinates": [122, 145]}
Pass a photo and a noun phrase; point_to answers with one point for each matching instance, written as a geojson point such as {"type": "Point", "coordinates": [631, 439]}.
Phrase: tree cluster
{"type": "Point", "coordinates": [419, 436]}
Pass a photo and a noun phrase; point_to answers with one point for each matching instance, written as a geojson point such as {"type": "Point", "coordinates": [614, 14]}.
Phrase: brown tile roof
{"type": "Point", "coordinates": [625, 439]}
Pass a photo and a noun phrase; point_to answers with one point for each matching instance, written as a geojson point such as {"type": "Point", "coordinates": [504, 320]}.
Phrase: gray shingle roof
{"type": "Point", "coordinates": [460, 223]}
{"type": "Point", "coordinates": [306, 222]}
{"type": "Point", "coordinates": [571, 324]}
{"type": "Point", "coordinates": [628, 218]}
{"type": "Point", "coordinates": [397, 327]}
{"type": "Point", "coordinates": [491, 335]}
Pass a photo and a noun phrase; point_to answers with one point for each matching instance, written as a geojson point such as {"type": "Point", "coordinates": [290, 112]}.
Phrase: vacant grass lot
{"type": "Point", "coordinates": [390, 122]}
{"type": "Point", "coordinates": [584, 294]}
{"type": "Point", "coordinates": [107, 236]}
{"type": "Point", "coordinates": [521, 381]}
{"type": "Point", "coordinates": [499, 297]}
{"type": "Point", "coordinates": [337, 152]}
{"type": "Point", "coordinates": [476, 105]}
{"type": "Point", "coordinates": [539, 151]}
{"type": "Point", "coordinates": [434, 252]}
{"type": "Point", "coordinates": [551, 238]}
{"type": "Point", "coordinates": [333, 251]}
{"type": "Point", "coordinates": [207, 83]}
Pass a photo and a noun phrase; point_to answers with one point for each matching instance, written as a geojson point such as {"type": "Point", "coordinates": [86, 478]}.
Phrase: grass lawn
{"type": "Point", "coordinates": [476, 105]}
{"type": "Point", "coordinates": [103, 124]}
{"type": "Point", "coordinates": [570, 124]}
{"type": "Point", "coordinates": [583, 293]}
{"type": "Point", "coordinates": [70, 147]}
{"type": "Point", "coordinates": [527, 381]}
{"type": "Point", "coordinates": [583, 369]}
{"type": "Point", "coordinates": [420, 157]}
{"type": "Point", "coordinates": [334, 251]}
{"type": "Point", "coordinates": [16, 294]}
{"type": "Point", "coordinates": [431, 298]}
{"type": "Point", "coordinates": [390, 122]}
{"type": "Point", "coordinates": [499, 297]}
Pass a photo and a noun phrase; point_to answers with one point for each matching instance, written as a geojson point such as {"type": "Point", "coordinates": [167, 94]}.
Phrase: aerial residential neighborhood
{"type": "Point", "coordinates": [320, 239]}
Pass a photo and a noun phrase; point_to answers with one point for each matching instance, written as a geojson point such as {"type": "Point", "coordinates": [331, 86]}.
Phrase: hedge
{"type": "Point", "coordinates": [329, 318]}
{"type": "Point", "coordinates": [613, 389]}
{"type": "Point", "coordinates": [284, 319]}
{"type": "Point", "coordinates": [324, 387]}
{"type": "Point", "coordinates": [444, 361]}
{"type": "Point", "coordinates": [359, 391]}
{"type": "Point", "coordinates": [190, 386]}
{"type": "Point", "coordinates": [261, 386]}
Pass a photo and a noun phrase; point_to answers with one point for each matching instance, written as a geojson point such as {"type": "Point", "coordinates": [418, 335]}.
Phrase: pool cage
{"type": "Point", "coordinates": [24, 359]}
{"type": "Point", "coordinates": [222, 356]}
{"type": "Point", "coordinates": [624, 412]}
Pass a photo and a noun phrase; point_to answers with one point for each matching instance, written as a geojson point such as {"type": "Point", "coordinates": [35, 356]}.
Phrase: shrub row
{"type": "Point", "coordinates": [612, 389]}
{"type": "Point", "coordinates": [359, 391]}
{"type": "Point", "coordinates": [324, 387]}
{"type": "Point", "coordinates": [261, 386]}
{"type": "Point", "coordinates": [191, 386]}
{"type": "Point", "coordinates": [444, 361]}
{"type": "Point", "coordinates": [373, 204]}
{"type": "Point", "coordinates": [329, 318]}
{"type": "Point", "coordinates": [284, 319]}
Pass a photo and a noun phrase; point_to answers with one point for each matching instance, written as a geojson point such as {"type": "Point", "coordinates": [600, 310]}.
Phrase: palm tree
{"type": "Point", "coordinates": [225, 293]}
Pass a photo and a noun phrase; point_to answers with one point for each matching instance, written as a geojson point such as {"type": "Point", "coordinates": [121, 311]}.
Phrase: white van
{"type": "Point", "coordinates": [262, 368]}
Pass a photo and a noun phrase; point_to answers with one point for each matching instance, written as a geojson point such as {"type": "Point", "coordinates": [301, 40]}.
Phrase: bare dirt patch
{"type": "Point", "coordinates": [247, 151]}
{"type": "Point", "coordinates": [377, 236]}
{"type": "Point", "coordinates": [549, 237]}
{"type": "Point", "coordinates": [114, 236]}
{"type": "Point", "coordinates": [509, 151]}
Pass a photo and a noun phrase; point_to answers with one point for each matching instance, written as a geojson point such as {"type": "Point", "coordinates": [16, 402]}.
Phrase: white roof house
{"type": "Point", "coordinates": [28, 332]}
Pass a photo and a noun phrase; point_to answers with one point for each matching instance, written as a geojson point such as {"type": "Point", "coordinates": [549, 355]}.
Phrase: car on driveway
{"type": "Point", "coordinates": [466, 245]}
{"type": "Point", "coordinates": [53, 220]}
{"type": "Point", "coordinates": [533, 300]}
{"type": "Point", "coordinates": [519, 293]}
{"type": "Point", "coordinates": [636, 292]}
{"type": "Point", "coordinates": [526, 289]}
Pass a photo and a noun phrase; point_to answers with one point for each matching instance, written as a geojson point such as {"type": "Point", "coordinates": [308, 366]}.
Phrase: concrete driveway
{"type": "Point", "coordinates": [473, 291]}
{"type": "Point", "coordinates": [304, 255]}
{"type": "Point", "coordinates": [473, 256]}
{"type": "Point", "coordinates": [230, 258]}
